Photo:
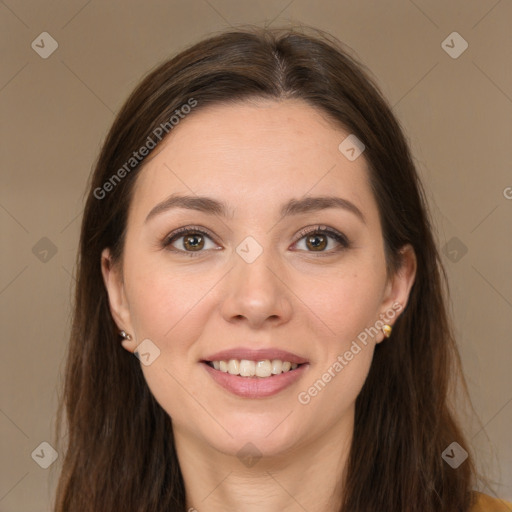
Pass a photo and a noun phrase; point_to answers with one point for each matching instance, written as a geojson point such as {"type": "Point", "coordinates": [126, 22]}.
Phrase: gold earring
{"type": "Point", "coordinates": [386, 329]}
{"type": "Point", "coordinates": [125, 335]}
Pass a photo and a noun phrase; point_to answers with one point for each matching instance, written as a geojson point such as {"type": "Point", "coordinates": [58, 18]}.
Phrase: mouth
{"type": "Point", "coordinates": [261, 369]}
{"type": "Point", "coordinates": [255, 373]}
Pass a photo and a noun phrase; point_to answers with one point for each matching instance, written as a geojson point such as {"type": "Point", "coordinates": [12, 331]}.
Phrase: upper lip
{"type": "Point", "coordinates": [255, 355]}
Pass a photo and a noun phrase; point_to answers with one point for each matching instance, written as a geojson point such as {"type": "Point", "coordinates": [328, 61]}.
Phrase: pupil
{"type": "Point", "coordinates": [316, 242]}
{"type": "Point", "coordinates": [195, 244]}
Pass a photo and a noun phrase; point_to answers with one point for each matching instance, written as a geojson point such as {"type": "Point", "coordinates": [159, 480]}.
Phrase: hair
{"type": "Point", "coordinates": [121, 453]}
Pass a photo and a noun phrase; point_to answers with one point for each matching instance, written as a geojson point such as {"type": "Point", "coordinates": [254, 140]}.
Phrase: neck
{"type": "Point", "coordinates": [307, 477]}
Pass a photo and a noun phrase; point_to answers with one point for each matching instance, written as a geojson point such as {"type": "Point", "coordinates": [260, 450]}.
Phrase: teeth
{"type": "Point", "coordinates": [234, 366]}
{"type": "Point", "coordinates": [263, 368]}
{"type": "Point", "coordinates": [247, 368]}
{"type": "Point", "coordinates": [277, 366]}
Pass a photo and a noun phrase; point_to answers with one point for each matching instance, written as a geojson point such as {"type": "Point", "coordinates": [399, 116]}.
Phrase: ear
{"type": "Point", "coordinates": [113, 279]}
{"type": "Point", "coordinates": [398, 288]}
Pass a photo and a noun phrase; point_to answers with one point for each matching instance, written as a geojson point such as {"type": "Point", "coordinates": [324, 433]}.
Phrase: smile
{"type": "Point", "coordinates": [254, 386]}
{"type": "Point", "coordinates": [247, 368]}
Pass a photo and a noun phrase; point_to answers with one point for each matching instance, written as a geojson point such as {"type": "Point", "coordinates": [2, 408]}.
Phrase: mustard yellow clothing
{"type": "Point", "coordinates": [487, 504]}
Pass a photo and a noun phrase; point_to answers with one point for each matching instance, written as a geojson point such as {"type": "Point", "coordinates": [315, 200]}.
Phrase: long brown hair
{"type": "Point", "coordinates": [120, 450]}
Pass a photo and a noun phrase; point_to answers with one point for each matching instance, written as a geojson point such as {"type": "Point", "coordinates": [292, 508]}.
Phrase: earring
{"type": "Point", "coordinates": [125, 335]}
{"type": "Point", "coordinates": [386, 329]}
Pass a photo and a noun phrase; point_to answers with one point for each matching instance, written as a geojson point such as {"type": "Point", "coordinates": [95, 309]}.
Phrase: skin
{"type": "Point", "coordinates": [254, 156]}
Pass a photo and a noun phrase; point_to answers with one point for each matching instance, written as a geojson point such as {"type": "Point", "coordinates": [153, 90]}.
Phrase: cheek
{"type": "Point", "coordinates": [169, 310]}
{"type": "Point", "coordinates": [349, 307]}
{"type": "Point", "coordinates": [164, 304]}
{"type": "Point", "coordinates": [345, 310]}
{"type": "Point", "coordinates": [342, 305]}
{"type": "Point", "coordinates": [331, 391]}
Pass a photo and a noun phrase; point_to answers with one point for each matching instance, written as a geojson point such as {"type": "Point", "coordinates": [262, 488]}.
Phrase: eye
{"type": "Point", "coordinates": [193, 241]}
{"type": "Point", "coordinates": [317, 239]}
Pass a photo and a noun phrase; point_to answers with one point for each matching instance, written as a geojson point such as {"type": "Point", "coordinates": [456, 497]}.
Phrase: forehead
{"type": "Point", "coordinates": [260, 152]}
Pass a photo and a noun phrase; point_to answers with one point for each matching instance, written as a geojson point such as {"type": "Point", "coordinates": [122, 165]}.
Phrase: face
{"type": "Point", "coordinates": [304, 285]}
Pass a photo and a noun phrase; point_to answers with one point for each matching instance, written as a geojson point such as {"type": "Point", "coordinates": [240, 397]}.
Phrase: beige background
{"type": "Point", "coordinates": [55, 112]}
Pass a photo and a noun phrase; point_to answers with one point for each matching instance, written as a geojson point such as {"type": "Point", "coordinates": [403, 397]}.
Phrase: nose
{"type": "Point", "coordinates": [256, 293]}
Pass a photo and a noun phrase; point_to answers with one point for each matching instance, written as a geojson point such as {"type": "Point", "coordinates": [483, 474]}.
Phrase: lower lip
{"type": "Point", "coordinates": [255, 387]}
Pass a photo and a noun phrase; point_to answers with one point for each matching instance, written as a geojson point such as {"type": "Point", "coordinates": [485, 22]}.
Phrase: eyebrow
{"type": "Point", "coordinates": [292, 207]}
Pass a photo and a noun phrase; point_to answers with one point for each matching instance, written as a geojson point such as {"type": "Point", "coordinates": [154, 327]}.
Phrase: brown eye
{"type": "Point", "coordinates": [193, 242]}
{"type": "Point", "coordinates": [316, 242]}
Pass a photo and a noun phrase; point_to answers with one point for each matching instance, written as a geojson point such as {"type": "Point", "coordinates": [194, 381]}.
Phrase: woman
{"type": "Point", "coordinates": [257, 236]}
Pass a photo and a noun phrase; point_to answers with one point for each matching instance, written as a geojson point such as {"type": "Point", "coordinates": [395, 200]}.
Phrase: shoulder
{"type": "Point", "coordinates": [485, 503]}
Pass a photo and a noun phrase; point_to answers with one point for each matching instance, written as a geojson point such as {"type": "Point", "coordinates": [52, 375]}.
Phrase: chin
{"type": "Point", "coordinates": [257, 436]}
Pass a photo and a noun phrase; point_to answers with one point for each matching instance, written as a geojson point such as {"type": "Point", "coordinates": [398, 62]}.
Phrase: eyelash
{"type": "Point", "coordinates": [320, 229]}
